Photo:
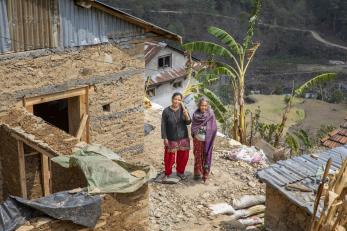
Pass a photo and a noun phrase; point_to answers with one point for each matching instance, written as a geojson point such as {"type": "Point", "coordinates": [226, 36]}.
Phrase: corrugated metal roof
{"type": "Point", "coordinates": [5, 43]}
{"type": "Point", "coordinates": [172, 75]}
{"type": "Point", "coordinates": [302, 169]}
{"type": "Point", "coordinates": [152, 49]}
{"type": "Point", "coordinates": [34, 24]}
{"type": "Point", "coordinates": [81, 26]}
{"type": "Point", "coordinates": [31, 24]}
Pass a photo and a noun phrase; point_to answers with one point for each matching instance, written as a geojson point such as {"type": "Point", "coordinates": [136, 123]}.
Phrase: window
{"type": "Point", "coordinates": [106, 107]}
{"type": "Point", "coordinates": [164, 61]}
{"type": "Point", "coordinates": [151, 92]}
{"type": "Point", "coordinates": [177, 85]}
{"type": "Point", "coordinates": [63, 110]}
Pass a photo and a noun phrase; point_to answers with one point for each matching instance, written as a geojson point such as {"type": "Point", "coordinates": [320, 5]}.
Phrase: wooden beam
{"type": "Point", "coordinates": [86, 101]}
{"type": "Point", "coordinates": [21, 166]}
{"type": "Point", "coordinates": [82, 126]}
{"type": "Point", "coordinates": [34, 146]}
{"type": "Point", "coordinates": [31, 154]}
{"type": "Point", "coordinates": [55, 96]}
{"type": "Point", "coordinates": [30, 109]}
{"type": "Point", "coordinates": [46, 175]}
{"type": "Point", "coordinates": [74, 114]}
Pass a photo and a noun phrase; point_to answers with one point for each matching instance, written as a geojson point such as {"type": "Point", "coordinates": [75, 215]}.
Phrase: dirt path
{"type": "Point", "coordinates": [314, 34]}
{"type": "Point", "coordinates": [183, 206]}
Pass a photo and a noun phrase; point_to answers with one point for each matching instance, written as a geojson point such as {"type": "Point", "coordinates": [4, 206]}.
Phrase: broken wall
{"type": "Point", "coordinates": [282, 214]}
{"type": "Point", "coordinates": [116, 72]}
{"type": "Point", "coordinates": [121, 212]}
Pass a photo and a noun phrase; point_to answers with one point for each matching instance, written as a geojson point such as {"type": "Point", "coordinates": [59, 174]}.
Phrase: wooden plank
{"type": "Point", "coordinates": [86, 97]}
{"type": "Point", "coordinates": [74, 114]}
{"type": "Point", "coordinates": [82, 127]}
{"type": "Point", "coordinates": [54, 96]}
{"type": "Point", "coordinates": [21, 166]}
{"type": "Point", "coordinates": [31, 154]}
{"type": "Point", "coordinates": [46, 174]}
{"type": "Point", "coordinates": [34, 146]}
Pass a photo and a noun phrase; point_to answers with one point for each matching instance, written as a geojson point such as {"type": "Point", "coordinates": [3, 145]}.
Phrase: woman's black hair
{"type": "Point", "coordinates": [176, 94]}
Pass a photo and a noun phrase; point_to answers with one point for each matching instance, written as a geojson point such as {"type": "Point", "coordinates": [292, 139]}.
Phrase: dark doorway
{"type": "Point", "coordinates": [54, 112]}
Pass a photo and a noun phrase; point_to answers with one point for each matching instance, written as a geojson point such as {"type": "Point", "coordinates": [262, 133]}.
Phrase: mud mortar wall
{"type": "Point", "coordinates": [10, 170]}
{"type": "Point", "coordinates": [117, 75]}
{"type": "Point", "coordinates": [64, 179]}
{"type": "Point", "coordinates": [282, 215]}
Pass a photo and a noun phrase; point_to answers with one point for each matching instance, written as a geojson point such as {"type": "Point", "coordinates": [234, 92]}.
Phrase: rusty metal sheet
{"type": "Point", "coordinates": [5, 42]}
{"type": "Point", "coordinates": [31, 24]}
{"type": "Point", "coordinates": [80, 26]}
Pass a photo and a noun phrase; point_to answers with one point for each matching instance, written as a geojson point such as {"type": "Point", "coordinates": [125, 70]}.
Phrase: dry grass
{"type": "Point", "coordinates": [272, 106]}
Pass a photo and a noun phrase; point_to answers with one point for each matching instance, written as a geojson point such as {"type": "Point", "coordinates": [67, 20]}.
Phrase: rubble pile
{"type": "Point", "coordinates": [185, 205]}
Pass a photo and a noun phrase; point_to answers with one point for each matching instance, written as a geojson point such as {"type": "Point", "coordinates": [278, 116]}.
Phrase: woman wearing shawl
{"type": "Point", "coordinates": [204, 130]}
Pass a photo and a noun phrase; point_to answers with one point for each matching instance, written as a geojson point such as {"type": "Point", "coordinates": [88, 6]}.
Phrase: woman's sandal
{"type": "Point", "coordinates": [197, 177]}
{"type": "Point", "coordinates": [182, 176]}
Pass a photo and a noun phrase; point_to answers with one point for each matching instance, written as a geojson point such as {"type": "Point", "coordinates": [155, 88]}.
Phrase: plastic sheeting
{"type": "Point", "coordinates": [105, 171]}
{"type": "Point", "coordinates": [80, 208]}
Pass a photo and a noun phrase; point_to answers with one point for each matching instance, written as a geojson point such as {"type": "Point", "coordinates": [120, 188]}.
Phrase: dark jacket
{"type": "Point", "coordinates": [173, 124]}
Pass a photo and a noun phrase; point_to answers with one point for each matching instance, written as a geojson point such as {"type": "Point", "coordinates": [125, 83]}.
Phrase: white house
{"type": "Point", "coordinates": [166, 73]}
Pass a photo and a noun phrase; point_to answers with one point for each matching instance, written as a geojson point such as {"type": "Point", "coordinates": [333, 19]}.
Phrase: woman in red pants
{"type": "Point", "coordinates": [174, 132]}
{"type": "Point", "coordinates": [204, 130]}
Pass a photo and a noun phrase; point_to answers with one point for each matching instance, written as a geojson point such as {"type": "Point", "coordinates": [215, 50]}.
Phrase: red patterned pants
{"type": "Point", "coordinates": [199, 155]}
{"type": "Point", "coordinates": [181, 161]}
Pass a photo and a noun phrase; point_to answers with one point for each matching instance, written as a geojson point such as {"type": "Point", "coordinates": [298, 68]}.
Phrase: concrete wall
{"type": "Point", "coordinates": [283, 215]}
{"type": "Point", "coordinates": [116, 72]}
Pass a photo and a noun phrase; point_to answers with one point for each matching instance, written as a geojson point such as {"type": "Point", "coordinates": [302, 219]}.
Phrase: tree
{"type": "Point", "coordinates": [231, 59]}
{"type": "Point", "coordinates": [296, 93]}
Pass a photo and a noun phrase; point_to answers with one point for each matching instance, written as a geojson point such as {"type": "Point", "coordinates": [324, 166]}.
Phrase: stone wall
{"type": "Point", "coordinates": [120, 212]}
{"type": "Point", "coordinates": [282, 214]}
{"type": "Point", "coordinates": [117, 75]}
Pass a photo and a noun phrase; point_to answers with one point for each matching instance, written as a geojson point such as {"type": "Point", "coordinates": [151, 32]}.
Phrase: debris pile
{"type": "Point", "coordinates": [248, 210]}
{"type": "Point", "coordinates": [250, 155]}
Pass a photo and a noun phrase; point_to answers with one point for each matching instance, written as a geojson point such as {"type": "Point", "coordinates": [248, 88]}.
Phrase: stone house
{"type": "Point", "coordinates": [288, 209]}
{"type": "Point", "coordinates": [73, 69]}
{"type": "Point", "coordinates": [166, 70]}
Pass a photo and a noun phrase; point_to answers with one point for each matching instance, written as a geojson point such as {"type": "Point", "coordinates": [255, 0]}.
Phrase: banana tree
{"type": "Point", "coordinates": [205, 77]}
{"type": "Point", "coordinates": [234, 59]}
{"type": "Point", "coordinates": [296, 93]}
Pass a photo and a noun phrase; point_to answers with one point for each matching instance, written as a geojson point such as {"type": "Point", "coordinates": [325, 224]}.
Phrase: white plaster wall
{"type": "Point", "coordinates": [178, 61]}
{"type": "Point", "coordinates": [163, 94]}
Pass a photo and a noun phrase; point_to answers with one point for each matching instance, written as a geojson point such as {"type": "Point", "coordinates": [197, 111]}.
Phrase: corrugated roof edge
{"type": "Point", "coordinates": [149, 27]}
{"type": "Point", "coordinates": [271, 180]}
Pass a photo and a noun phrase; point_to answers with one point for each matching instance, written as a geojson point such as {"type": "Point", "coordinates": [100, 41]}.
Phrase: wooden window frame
{"type": "Point", "coordinates": [82, 93]}
{"type": "Point", "coordinates": [163, 57]}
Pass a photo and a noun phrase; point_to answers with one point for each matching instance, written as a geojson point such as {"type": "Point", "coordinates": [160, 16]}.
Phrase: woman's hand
{"type": "Point", "coordinates": [166, 142]}
{"type": "Point", "coordinates": [185, 112]}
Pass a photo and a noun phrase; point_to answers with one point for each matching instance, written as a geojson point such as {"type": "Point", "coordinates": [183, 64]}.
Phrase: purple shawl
{"type": "Point", "coordinates": [206, 119]}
